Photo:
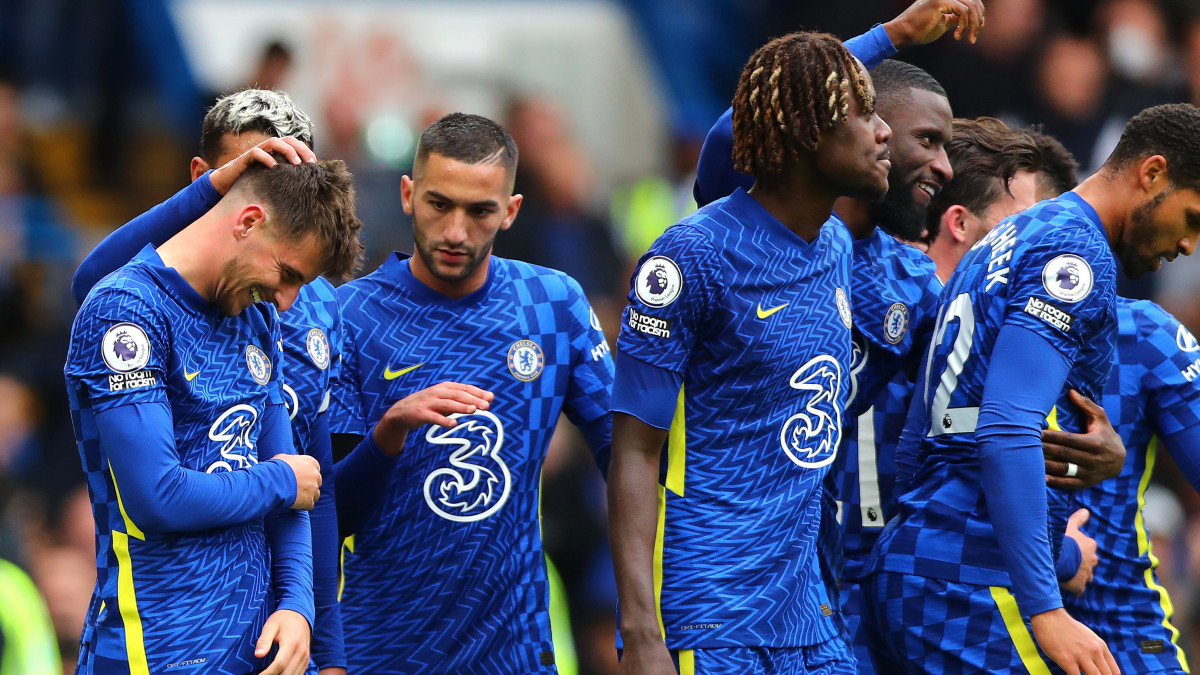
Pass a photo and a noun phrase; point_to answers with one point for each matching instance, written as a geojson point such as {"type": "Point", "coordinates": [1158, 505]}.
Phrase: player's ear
{"type": "Point", "coordinates": [1152, 173]}
{"type": "Point", "coordinates": [514, 205]}
{"type": "Point", "coordinates": [248, 217]}
{"type": "Point", "coordinates": [199, 166]}
{"type": "Point", "coordinates": [954, 221]}
{"type": "Point", "coordinates": [406, 194]}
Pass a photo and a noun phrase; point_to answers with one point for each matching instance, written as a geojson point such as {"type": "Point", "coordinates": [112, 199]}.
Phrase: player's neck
{"type": "Point", "coordinates": [946, 254]}
{"type": "Point", "coordinates": [1104, 193]}
{"type": "Point", "coordinates": [190, 253]}
{"type": "Point", "coordinates": [800, 204]}
{"type": "Point", "coordinates": [856, 213]}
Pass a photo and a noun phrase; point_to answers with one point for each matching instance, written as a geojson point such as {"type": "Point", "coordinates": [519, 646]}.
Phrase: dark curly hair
{"type": "Point", "coordinates": [1171, 130]}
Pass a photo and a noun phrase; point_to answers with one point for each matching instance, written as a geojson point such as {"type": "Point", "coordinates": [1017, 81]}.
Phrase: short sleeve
{"type": "Point", "coordinates": [590, 386]}
{"type": "Point", "coordinates": [1063, 288]}
{"type": "Point", "coordinates": [672, 297]}
{"type": "Point", "coordinates": [120, 349]}
{"type": "Point", "coordinates": [345, 399]}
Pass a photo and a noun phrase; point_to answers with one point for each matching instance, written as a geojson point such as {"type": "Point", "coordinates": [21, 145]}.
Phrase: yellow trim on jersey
{"type": "Point", "coordinates": [687, 662]}
{"type": "Point", "coordinates": [130, 528]}
{"type": "Point", "coordinates": [1143, 539]}
{"type": "Point", "coordinates": [1022, 640]}
{"type": "Point", "coordinates": [347, 545]}
{"type": "Point", "coordinates": [135, 643]}
{"type": "Point", "coordinates": [658, 558]}
{"type": "Point", "coordinates": [1052, 419]}
{"type": "Point", "coordinates": [561, 641]}
{"type": "Point", "coordinates": [677, 448]}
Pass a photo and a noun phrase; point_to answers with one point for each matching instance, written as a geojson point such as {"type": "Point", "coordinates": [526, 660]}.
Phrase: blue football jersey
{"type": "Point", "coordinates": [1151, 392]}
{"type": "Point", "coordinates": [1049, 270]}
{"type": "Point", "coordinates": [175, 600]}
{"type": "Point", "coordinates": [757, 322]}
{"type": "Point", "coordinates": [894, 301]}
{"type": "Point", "coordinates": [448, 574]}
{"type": "Point", "coordinates": [867, 482]}
{"type": "Point", "coordinates": [310, 338]}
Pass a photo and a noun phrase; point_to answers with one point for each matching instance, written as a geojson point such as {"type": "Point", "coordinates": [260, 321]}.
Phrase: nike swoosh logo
{"type": "Point", "coordinates": [764, 314]}
{"type": "Point", "coordinates": [190, 376]}
{"type": "Point", "coordinates": [389, 374]}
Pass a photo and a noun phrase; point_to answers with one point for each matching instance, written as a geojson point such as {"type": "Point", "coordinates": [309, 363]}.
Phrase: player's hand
{"type": "Point", "coordinates": [428, 406]}
{"type": "Point", "coordinates": [650, 659]}
{"type": "Point", "coordinates": [1072, 645]}
{"type": "Point", "coordinates": [289, 148]}
{"type": "Point", "coordinates": [291, 632]}
{"type": "Point", "coordinates": [1097, 454]}
{"type": "Point", "coordinates": [1087, 547]}
{"type": "Point", "coordinates": [927, 20]}
{"type": "Point", "coordinates": [308, 479]}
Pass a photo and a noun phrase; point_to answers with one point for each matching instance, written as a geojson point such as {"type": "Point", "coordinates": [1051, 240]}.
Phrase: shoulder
{"type": "Point", "coordinates": [131, 290]}
{"type": "Point", "coordinates": [318, 290]}
{"type": "Point", "coordinates": [548, 283]}
{"type": "Point", "coordinates": [1150, 320]}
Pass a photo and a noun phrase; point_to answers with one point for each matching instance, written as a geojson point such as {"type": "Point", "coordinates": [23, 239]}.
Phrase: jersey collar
{"type": "Point", "coordinates": [397, 267]}
{"type": "Point", "coordinates": [174, 283]}
{"type": "Point", "coordinates": [1088, 210]}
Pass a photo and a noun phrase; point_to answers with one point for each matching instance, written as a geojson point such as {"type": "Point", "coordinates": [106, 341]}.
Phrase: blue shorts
{"type": "Point", "coordinates": [916, 624]}
{"type": "Point", "coordinates": [832, 657]}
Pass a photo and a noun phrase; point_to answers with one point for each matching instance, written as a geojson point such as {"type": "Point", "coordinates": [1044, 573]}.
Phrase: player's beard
{"type": "Point", "coordinates": [427, 250]}
{"type": "Point", "coordinates": [1140, 229]}
{"type": "Point", "coordinates": [229, 298]}
{"type": "Point", "coordinates": [898, 214]}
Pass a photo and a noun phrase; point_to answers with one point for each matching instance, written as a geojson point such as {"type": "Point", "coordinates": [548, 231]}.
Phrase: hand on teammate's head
{"type": "Point", "coordinates": [269, 152]}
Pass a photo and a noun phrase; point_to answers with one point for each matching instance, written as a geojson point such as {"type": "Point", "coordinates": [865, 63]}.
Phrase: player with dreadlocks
{"type": "Point", "coordinates": [733, 365]}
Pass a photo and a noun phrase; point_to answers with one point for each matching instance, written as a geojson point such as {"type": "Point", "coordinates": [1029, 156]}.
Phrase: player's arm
{"type": "Point", "coordinates": [289, 540]}
{"type": "Point", "coordinates": [360, 475]}
{"type": "Point", "coordinates": [327, 643]}
{"type": "Point", "coordinates": [644, 398]}
{"type": "Point", "coordinates": [161, 495]}
{"type": "Point", "coordinates": [589, 387]}
{"type": "Point", "coordinates": [1012, 473]}
{"type": "Point", "coordinates": [165, 220]}
{"type": "Point", "coordinates": [1097, 454]}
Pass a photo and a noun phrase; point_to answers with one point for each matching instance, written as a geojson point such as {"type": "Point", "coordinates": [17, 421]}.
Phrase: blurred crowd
{"type": "Point", "coordinates": [70, 173]}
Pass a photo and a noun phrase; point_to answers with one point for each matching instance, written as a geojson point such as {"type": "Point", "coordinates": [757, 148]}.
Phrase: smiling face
{"type": "Point", "coordinates": [1163, 226]}
{"type": "Point", "coordinates": [922, 124]}
{"type": "Point", "coordinates": [854, 154]}
{"type": "Point", "coordinates": [457, 210]}
{"type": "Point", "coordinates": [267, 269]}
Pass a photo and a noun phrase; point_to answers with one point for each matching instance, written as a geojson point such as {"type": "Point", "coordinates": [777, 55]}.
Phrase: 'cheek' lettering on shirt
{"type": "Point", "coordinates": [1002, 240]}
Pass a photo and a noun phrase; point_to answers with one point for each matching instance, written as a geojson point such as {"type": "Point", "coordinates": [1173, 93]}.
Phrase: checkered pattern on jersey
{"type": "Point", "coordinates": [448, 574]}
{"type": "Point", "coordinates": [851, 598]}
{"type": "Point", "coordinates": [831, 657]}
{"type": "Point", "coordinates": [199, 595]}
{"type": "Point", "coordinates": [754, 327]}
{"type": "Point", "coordinates": [1148, 393]}
{"type": "Point", "coordinates": [1049, 270]}
{"type": "Point", "coordinates": [894, 298]}
{"type": "Point", "coordinates": [918, 625]}
{"type": "Point", "coordinates": [309, 330]}
{"type": "Point", "coordinates": [867, 483]}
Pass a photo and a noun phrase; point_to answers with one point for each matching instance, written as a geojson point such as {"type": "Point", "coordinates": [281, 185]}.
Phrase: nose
{"type": "Point", "coordinates": [286, 295]}
{"type": "Point", "coordinates": [456, 229]}
{"type": "Point", "coordinates": [941, 165]}
{"type": "Point", "coordinates": [1187, 245]}
{"type": "Point", "coordinates": [883, 133]}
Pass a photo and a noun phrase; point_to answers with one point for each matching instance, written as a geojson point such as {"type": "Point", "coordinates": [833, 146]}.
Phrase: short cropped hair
{"type": "Point", "coordinates": [1171, 130]}
{"type": "Point", "coordinates": [267, 111]}
{"type": "Point", "coordinates": [895, 80]}
{"type": "Point", "coordinates": [470, 139]}
{"type": "Point", "coordinates": [312, 198]}
{"type": "Point", "coordinates": [1058, 172]}
{"type": "Point", "coordinates": [792, 90]}
{"type": "Point", "coordinates": [985, 155]}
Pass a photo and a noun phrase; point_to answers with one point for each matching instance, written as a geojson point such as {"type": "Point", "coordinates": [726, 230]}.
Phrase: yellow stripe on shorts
{"type": "Point", "coordinates": [1022, 640]}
